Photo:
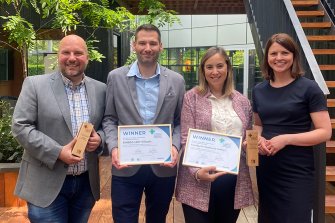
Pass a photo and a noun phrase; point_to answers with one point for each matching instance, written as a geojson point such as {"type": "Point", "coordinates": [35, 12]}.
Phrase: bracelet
{"type": "Point", "coordinates": [196, 176]}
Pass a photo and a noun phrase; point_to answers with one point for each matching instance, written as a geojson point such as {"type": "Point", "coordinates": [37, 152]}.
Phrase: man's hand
{"type": "Point", "coordinates": [115, 160]}
{"type": "Point", "coordinates": [93, 142]}
{"type": "Point", "coordinates": [66, 155]}
{"type": "Point", "coordinates": [174, 158]}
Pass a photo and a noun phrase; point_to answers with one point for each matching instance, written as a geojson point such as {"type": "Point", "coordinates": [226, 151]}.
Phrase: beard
{"type": "Point", "coordinates": [148, 61]}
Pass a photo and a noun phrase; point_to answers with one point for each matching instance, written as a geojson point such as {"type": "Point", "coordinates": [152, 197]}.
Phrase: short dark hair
{"type": "Point", "coordinates": [288, 43]}
{"type": "Point", "coordinates": [148, 27]}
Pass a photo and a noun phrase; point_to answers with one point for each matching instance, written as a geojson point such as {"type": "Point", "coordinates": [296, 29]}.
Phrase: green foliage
{"type": "Point", "coordinates": [20, 31]}
{"type": "Point", "coordinates": [105, 3]}
{"type": "Point", "coordinates": [66, 20]}
{"type": "Point", "coordinates": [34, 5]}
{"type": "Point", "coordinates": [238, 58]}
{"type": "Point", "coordinates": [98, 15]}
{"type": "Point", "coordinates": [131, 59]}
{"type": "Point", "coordinates": [94, 54]}
{"type": "Point", "coordinates": [156, 13]}
{"type": "Point", "coordinates": [66, 15]}
{"type": "Point", "coordinates": [10, 150]}
{"type": "Point", "coordinates": [35, 69]}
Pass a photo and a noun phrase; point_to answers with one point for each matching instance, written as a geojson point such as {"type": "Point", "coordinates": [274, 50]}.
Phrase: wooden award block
{"type": "Point", "coordinates": [252, 147]}
{"type": "Point", "coordinates": [82, 139]}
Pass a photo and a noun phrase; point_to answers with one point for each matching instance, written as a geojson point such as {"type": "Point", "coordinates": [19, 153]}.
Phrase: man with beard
{"type": "Point", "coordinates": [58, 186]}
{"type": "Point", "coordinates": [139, 94]}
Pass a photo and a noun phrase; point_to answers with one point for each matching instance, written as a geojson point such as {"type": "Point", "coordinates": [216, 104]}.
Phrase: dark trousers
{"type": "Point", "coordinates": [73, 203]}
{"type": "Point", "coordinates": [221, 203]}
{"type": "Point", "coordinates": [127, 194]}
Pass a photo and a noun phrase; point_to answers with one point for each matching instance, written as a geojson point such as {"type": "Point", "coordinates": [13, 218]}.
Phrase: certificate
{"type": "Point", "coordinates": [144, 144]}
{"type": "Point", "coordinates": [204, 148]}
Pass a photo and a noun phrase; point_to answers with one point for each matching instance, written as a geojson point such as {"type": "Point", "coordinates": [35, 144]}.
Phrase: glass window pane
{"type": "Point", "coordinates": [254, 69]}
{"type": "Point", "coordinates": [163, 58]}
{"type": "Point", "coordinates": [115, 51]}
{"type": "Point", "coordinates": [237, 61]}
{"type": "Point", "coordinates": [42, 57]}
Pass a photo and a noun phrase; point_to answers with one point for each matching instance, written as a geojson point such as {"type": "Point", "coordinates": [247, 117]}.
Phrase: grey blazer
{"type": "Point", "coordinates": [42, 125]}
{"type": "Point", "coordinates": [122, 108]}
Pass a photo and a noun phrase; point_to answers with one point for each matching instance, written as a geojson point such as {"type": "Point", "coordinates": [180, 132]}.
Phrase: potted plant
{"type": "Point", "coordinates": [10, 157]}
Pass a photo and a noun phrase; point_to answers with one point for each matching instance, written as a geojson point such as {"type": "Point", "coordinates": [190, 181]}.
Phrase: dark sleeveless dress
{"type": "Point", "coordinates": [286, 180]}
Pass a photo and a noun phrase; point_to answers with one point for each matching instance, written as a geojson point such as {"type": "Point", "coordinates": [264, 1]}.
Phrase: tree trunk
{"type": "Point", "coordinates": [24, 62]}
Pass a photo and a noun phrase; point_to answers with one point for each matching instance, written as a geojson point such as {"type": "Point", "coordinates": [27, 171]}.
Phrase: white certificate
{"type": "Point", "coordinates": [144, 144]}
{"type": "Point", "coordinates": [204, 148]}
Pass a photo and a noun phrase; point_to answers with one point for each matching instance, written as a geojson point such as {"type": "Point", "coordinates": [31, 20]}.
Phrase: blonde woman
{"type": "Point", "coordinates": [208, 196]}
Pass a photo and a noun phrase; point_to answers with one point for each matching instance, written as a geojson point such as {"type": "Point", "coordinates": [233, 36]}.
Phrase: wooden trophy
{"type": "Point", "coordinates": [82, 139]}
{"type": "Point", "coordinates": [252, 147]}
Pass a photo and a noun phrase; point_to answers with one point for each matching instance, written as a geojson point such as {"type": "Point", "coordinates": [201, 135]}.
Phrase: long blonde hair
{"type": "Point", "coordinates": [228, 86]}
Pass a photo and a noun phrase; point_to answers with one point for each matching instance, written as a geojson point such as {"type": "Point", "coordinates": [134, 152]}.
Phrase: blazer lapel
{"type": "Point", "coordinates": [163, 86]}
{"type": "Point", "coordinates": [90, 90]}
{"type": "Point", "coordinates": [57, 86]}
{"type": "Point", "coordinates": [133, 93]}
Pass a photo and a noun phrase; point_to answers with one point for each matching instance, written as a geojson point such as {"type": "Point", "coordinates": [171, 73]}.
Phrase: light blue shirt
{"type": "Point", "coordinates": [147, 92]}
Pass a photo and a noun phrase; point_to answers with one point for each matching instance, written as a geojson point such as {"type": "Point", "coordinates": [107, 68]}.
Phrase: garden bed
{"type": "Point", "coordinates": [8, 176]}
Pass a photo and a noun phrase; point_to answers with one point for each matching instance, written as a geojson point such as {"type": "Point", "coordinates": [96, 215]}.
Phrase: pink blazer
{"type": "Point", "coordinates": [197, 113]}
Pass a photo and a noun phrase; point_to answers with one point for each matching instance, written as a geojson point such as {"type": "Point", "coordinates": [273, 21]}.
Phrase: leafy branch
{"type": "Point", "coordinates": [65, 15]}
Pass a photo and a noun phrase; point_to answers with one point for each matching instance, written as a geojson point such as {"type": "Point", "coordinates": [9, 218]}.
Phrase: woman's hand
{"type": "Point", "coordinates": [208, 174]}
{"type": "Point", "coordinates": [276, 143]}
{"type": "Point", "coordinates": [262, 146]}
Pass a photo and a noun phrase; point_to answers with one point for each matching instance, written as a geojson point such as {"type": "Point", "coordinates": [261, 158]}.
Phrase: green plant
{"type": "Point", "coordinates": [35, 69]}
{"type": "Point", "coordinates": [65, 15]}
{"type": "Point", "coordinates": [157, 15]}
{"type": "Point", "coordinates": [10, 150]}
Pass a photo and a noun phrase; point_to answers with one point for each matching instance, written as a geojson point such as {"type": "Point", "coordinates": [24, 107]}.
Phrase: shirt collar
{"type": "Point", "coordinates": [69, 83]}
{"type": "Point", "coordinates": [210, 95]}
{"type": "Point", "coordinates": [135, 71]}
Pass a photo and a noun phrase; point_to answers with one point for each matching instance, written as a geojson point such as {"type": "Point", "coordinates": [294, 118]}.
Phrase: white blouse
{"type": "Point", "coordinates": [224, 118]}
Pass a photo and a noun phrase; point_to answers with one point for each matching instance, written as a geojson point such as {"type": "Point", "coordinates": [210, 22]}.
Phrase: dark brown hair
{"type": "Point", "coordinates": [288, 43]}
{"type": "Point", "coordinates": [148, 27]}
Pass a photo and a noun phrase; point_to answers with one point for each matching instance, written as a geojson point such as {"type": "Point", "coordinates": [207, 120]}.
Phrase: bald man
{"type": "Point", "coordinates": [58, 186]}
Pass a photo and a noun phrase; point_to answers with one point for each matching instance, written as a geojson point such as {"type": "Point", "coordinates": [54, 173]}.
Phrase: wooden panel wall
{"type": "Point", "coordinates": [7, 186]}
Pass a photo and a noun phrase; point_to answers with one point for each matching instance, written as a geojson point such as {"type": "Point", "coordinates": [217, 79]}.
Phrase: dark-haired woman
{"type": "Point", "coordinates": [290, 113]}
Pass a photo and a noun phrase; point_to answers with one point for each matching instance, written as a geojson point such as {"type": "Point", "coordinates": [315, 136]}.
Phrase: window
{"type": "Point", "coordinates": [42, 57]}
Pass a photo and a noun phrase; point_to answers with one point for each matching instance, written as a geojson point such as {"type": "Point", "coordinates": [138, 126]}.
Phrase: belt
{"type": "Point", "coordinates": [79, 175]}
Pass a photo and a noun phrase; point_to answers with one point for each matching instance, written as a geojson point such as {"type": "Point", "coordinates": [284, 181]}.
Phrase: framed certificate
{"type": "Point", "coordinates": [204, 148]}
{"type": "Point", "coordinates": [144, 144]}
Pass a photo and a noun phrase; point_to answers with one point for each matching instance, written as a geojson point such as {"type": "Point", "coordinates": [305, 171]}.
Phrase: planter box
{"type": "Point", "coordinates": [8, 177]}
